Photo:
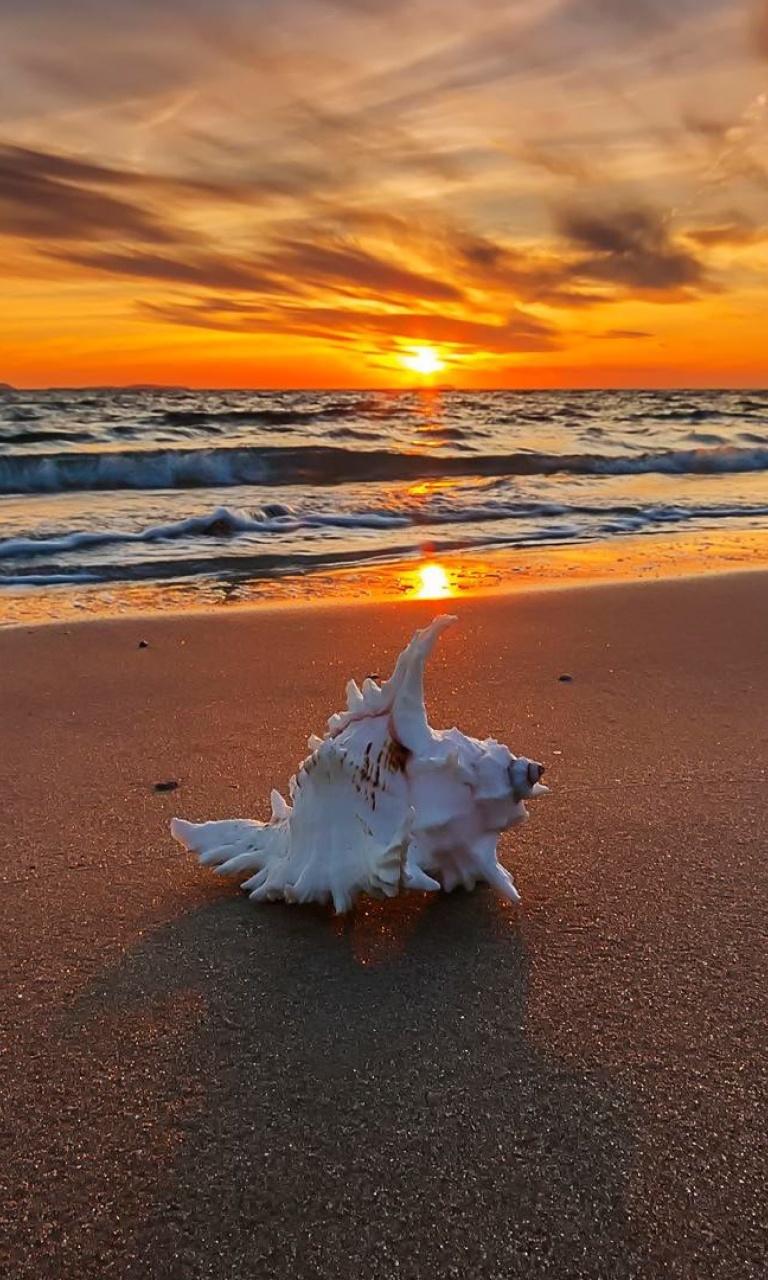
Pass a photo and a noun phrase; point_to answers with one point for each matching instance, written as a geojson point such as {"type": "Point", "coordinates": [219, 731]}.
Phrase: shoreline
{"type": "Point", "coordinates": [467, 576]}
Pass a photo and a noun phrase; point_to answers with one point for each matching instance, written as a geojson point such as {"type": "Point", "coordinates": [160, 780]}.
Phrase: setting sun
{"type": "Point", "coordinates": [423, 360]}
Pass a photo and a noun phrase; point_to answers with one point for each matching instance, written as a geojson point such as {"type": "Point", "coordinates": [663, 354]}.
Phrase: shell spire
{"type": "Point", "coordinates": [401, 697]}
{"type": "Point", "coordinates": [408, 715]}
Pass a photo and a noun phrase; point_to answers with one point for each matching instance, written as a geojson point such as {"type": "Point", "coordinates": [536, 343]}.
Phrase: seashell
{"type": "Point", "coordinates": [384, 803]}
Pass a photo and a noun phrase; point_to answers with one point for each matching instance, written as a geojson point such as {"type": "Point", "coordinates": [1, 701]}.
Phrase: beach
{"type": "Point", "coordinates": [436, 1086]}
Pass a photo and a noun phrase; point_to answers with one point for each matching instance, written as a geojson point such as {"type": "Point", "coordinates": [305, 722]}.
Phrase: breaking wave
{"type": "Point", "coordinates": [516, 524]}
{"type": "Point", "coordinates": [325, 465]}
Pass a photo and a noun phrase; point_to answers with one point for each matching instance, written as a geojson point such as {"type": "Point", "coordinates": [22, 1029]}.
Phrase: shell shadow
{"type": "Point", "coordinates": [361, 1099]}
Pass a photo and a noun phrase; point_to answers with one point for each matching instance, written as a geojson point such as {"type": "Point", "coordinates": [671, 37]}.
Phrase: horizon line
{"type": "Point", "coordinates": [7, 388]}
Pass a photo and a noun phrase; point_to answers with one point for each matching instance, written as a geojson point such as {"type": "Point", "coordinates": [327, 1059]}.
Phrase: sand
{"type": "Point", "coordinates": [435, 1087]}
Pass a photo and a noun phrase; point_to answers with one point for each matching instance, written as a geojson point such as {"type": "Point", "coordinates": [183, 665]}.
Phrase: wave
{"type": "Point", "coordinates": [352, 433]}
{"type": "Point", "coordinates": [275, 519]}
{"type": "Point", "coordinates": [221, 523]}
{"type": "Point", "coordinates": [270, 564]}
{"type": "Point", "coordinates": [281, 417]}
{"type": "Point", "coordinates": [249, 562]}
{"type": "Point", "coordinates": [35, 436]}
{"type": "Point", "coordinates": [328, 465]}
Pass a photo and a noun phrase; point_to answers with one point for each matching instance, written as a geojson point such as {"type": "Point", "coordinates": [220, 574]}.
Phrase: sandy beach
{"type": "Point", "coordinates": [431, 1087]}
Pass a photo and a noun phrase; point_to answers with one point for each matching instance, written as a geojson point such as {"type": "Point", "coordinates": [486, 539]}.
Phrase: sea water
{"type": "Point", "coordinates": [202, 492]}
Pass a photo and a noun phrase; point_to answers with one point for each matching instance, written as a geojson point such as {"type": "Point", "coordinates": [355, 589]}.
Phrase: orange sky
{"type": "Point", "coordinates": [541, 192]}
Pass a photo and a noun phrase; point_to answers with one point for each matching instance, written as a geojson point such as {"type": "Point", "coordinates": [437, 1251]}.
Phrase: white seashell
{"type": "Point", "coordinates": [383, 803]}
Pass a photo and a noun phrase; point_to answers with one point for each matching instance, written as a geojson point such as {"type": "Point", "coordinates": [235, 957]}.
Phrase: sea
{"type": "Point", "coordinates": [210, 496]}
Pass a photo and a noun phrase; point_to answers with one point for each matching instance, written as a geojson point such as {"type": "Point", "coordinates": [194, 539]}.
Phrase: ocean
{"type": "Point", "coordinates": [207, 496]}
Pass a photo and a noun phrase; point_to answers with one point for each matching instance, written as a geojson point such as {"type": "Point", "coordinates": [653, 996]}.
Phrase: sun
{"type": "Point", "coordinates": [423, 360]}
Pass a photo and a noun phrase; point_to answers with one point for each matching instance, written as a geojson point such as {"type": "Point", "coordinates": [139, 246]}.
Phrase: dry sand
{"type": "Point", "coordinates": [435, 1087]}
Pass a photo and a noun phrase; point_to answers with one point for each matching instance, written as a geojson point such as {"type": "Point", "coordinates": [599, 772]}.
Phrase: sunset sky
{"type": "Point", "coordinates": [313, 192]}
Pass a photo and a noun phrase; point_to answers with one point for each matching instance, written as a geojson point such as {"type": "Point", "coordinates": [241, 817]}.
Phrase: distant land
{"type": "Point", "coordinates": [6, 387]}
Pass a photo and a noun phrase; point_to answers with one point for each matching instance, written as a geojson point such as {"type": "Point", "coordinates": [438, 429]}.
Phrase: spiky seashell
{"type": "Point", "coordinates": [383, 803]}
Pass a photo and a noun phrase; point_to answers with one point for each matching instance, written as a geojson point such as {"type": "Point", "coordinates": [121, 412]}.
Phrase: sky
{"type": "Point", "coordinates": [318, 193]}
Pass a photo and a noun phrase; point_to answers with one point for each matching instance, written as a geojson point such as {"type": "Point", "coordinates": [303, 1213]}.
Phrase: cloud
{"type": "Point", "coordinates": [518, 332]}
{"type": "Point", "coordinates": [565, 162]}
{"type": "Point", "coordinates": [348, 266]}
{"type": "Point", "coordinates": [204, 270]}
{"type": "Point", "coordinates": [261, 182]}
{"type": "Point", "coordinates": [631, 248]}
{"type": "Point", "coordinates": [731, 233]}
{"type": "Point", "coordinates": [640, 17]}
{"type": "Point", "coordinates": [733, 145]}
{"type": "Point", "coordinates": [40, 202]}
{"type": "Point", "coordinates": [287, 267]}
{"type": "Point", "coordinates": [760, 28]}
{"type": "Point", "coordinates": [627, 334]}
{"type": "Point", "coordinates": [530, 274]}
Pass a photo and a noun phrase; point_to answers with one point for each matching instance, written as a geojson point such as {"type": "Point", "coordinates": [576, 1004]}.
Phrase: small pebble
{"type": "Point", "coordinates": [565, 678]}
{"type": "Point", "coordinates": [143, 644]}
{"type": "Point", "coordinates": [166, 786]}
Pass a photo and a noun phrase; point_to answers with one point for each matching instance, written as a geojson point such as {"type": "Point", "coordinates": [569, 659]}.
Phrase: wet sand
{"type": "Point", "coordinates": [196, 1087]}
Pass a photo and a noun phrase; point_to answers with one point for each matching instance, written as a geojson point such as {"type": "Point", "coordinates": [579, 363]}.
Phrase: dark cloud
{"type": "Point", "coordinates": [31, 163]}
{"type": "Point", "coordinates": [760, 28]}
{"type": "Point", "coordinates": [632, 248]}
{"type": "Point", "coordinates": [530, 275]}
{"type": "Point", "coordinates": [252, 186]}
{"type": "Point", "coordinates": [204, 270]}
{"type": "Point", "coordinates": [37, 203]}
{"type": "Point", "coordinates": [347, 266]}
{"type": "Point", "coordinates": [480, 251]}
{"type": "Point", "coordinates": [51, 197]}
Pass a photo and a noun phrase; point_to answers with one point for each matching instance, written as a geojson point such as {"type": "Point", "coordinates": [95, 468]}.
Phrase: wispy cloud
{"type": "Point", "coordinates": [626, 335]}
{"type": "Point", "coordinates": [517, 333]}
{"type": "Point", "coordinates": [735, 233]}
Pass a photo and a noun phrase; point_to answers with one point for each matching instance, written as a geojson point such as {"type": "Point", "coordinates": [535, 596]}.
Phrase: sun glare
{"type": "Point", "coordinates": [433, 582]}
{"type": "Point", "coordinates": [424, 360]}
